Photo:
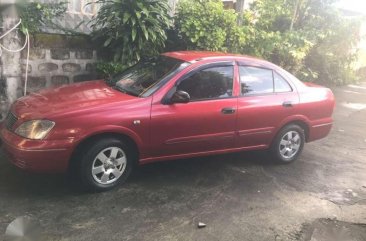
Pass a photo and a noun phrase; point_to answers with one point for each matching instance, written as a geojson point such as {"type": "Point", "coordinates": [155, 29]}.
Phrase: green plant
{"type": "Point", "coordinates": [36, 15]}
{"type": "Point", "coordinates": [307, 37]}
{"type": "Point", "coordinates": [334, 57]}
{"type": "Point", "coordinates": [132, 28]}
{"type": "Point", "coordinates": [206, 25]}
{"type": "Point", "coordinates": [107, 69]}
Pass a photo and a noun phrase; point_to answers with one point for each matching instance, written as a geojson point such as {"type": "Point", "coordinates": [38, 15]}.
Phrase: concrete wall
{"type": "Point", "coordinates": [57, 60]}
{"type": "Point", "coordinates": [10, 71]}
{"type": "Point", "coordinates": [54, 60]}
{"type": "Point", "coordinates": [76, 18]}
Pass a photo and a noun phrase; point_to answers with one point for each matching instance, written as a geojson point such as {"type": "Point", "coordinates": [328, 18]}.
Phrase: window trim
{"type": "Point", "coordinates": [170, 93]}
{"type": "Point", "coordinates": [273, 81]}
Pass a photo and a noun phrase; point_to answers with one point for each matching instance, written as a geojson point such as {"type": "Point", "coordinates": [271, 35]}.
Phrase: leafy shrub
{"type": "Point", "coordinates": [333, 57]}
{"type": "Point", "coordinates": [132, 28]}
{"type": "Point", "coordinates": [36, 15]}
{"type": "Point", "coordinates": [174, 41]}
{"type": "Point", "coordinates": [361, 72]}
{"type": "Point", "coordinates": [206, 25]}
{"type": "Point", "coordinates": [309, 38]}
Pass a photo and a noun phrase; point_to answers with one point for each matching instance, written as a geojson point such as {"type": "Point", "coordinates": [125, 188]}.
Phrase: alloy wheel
{"type": "Point", "coordinates": [290, 144]}
{"type": "Point", "coordinates": [109, 165]}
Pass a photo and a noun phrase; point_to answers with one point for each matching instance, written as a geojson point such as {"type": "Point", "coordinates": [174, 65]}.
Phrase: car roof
{"type": "Point", "coordinates": [193, 56]}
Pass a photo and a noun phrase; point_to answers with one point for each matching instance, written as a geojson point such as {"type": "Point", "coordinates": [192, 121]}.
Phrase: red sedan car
{"type": "Point", "coordinates": [178, 105]}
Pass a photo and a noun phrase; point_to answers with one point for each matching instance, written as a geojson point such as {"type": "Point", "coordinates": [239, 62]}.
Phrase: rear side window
{"type": "Point", "coordinates": [281, 85]}
{"type": "Point", "coordinates": [210, 83]}
{"type": "Point", "coordinates": [255, 80]}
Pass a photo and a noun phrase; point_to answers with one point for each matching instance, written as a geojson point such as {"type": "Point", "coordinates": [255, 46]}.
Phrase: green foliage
{"type": "Point", "coordinates": [35, 15]}
{"type": "Point", "coordinates": [362, 73]}
{"type": "Point", "coordinates": [206, 25]}
{"type": "Point", "coordinates": [310, 38]}
{"type": "Point", "coordinates": [108, 69]}
{"type": "Point", "coordinates": [334, 56]}
{"type": "Point", "coordinates": [174, 41]}
{"type": "Point", "coordinates": [307, 37]}
{"type": "Point", "coordinates": [361, 60]}
{"type": "Point", "coordinates": [132, 28]}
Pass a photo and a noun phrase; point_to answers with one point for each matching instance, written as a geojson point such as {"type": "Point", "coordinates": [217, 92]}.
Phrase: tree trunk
{"type": "Point", "coordinates": [296, 9]}
{"type": "Point", "coordinates": [239, 8]}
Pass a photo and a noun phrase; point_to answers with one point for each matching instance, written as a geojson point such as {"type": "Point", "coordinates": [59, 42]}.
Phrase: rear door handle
{"type": "Point", "coordinates": [287, 104]}
{"type": "Point", "coordinates": [228, 111]}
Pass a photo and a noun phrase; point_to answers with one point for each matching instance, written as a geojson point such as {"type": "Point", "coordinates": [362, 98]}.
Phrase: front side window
{"type": "Point", "coordinates": [144, 78]}
{"type": "Point", "coordinates": [255, 80]}
{"type": "Point", "coordinates": [210, 83]}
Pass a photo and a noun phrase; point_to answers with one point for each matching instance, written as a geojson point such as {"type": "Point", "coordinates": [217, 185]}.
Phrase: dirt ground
{"type": "Point", "coordinates": [240, 196]}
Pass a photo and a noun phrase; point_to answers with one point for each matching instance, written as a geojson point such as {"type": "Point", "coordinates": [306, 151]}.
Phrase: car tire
{"type": "Point", "coordinates": [105, 164]}
{"type": "Point", "coordinates": [288, 144]}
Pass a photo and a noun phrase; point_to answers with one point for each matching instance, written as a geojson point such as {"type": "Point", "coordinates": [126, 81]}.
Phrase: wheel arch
{"type": "Point", "coordinates": [131, 142]}
{"type": "Point", "coordinates": [300, 122]}
{"type": "Point", "coordinates": [304, 126]}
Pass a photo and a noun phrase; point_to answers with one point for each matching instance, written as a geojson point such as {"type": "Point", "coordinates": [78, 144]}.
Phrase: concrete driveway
{"type": "Point", "coordinates": [241, 196]}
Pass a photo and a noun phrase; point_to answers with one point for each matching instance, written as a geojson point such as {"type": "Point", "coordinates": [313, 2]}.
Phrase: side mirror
{"type": "Point", "coordinates": [180, 97]}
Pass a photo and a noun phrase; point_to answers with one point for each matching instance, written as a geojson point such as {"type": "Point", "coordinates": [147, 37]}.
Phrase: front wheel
{"type": "Point", "coordinates": [288, 143]}
{"type": "Point", "coordinates": [105, 164]}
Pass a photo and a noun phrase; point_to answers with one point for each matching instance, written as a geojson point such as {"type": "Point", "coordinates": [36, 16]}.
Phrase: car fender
{"type": "Point", "coordinates": [293, 118]}
{"type": "Point", "coordinates": [112, 129]}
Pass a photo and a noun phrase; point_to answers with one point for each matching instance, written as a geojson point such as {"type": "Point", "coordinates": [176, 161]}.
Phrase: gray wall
{"type": "Point", "coordinates": [55, 67]}
{"type": "Point", "coordinates": [10, 71]}
{"type": "Point", "coordinates": [77, 21]}
{"type": "Point", "coordinates": [55, 59]}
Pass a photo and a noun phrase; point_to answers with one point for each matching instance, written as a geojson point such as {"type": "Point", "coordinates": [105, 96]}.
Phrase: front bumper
{"type": "Point", "coordinates": [44, 156]}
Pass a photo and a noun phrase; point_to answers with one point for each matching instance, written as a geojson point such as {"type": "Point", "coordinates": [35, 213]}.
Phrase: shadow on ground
{"type": "Point", "coordinates": [208, 170]}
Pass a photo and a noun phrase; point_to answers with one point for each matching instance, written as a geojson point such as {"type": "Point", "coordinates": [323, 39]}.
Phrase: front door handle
{"type": "Point", "coordinates": [287, 104]}
{"type": "Point", "coordinates": [228, 111]}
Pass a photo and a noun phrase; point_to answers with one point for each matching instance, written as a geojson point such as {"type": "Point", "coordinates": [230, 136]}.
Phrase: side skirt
{"type": "Point", "coordinates": [197, 154]}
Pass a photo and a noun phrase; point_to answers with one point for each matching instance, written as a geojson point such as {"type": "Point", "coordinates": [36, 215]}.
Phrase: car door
{"type": "Point", "coordinates": [206, 123]}
{"type": "Point", "coordinates": [266, 99]}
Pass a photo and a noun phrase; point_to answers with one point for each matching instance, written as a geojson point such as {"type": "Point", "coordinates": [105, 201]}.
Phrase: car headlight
{"type": "Point", "coordinates": [35, 129]}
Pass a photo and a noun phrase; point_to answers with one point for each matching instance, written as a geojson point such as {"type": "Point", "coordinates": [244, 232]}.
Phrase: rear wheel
{"type": "Point", "coordinates": [105, 164]}
{"type": "Point", "coordinates": [288, 143]}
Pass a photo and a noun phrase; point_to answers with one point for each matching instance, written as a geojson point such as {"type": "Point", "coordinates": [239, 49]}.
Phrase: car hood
{"type": "Point", "coordinates": [66, 99]}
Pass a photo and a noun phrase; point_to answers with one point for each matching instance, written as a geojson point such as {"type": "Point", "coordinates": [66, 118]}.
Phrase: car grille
{"type": "Point", "coordinates": [10, 121]}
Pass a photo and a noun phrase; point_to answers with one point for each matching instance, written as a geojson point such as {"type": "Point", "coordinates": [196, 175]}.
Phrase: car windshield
{"type": "Point", "coordinates": [146, 77]}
